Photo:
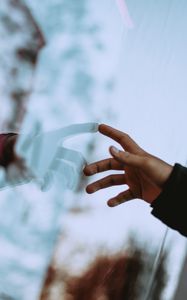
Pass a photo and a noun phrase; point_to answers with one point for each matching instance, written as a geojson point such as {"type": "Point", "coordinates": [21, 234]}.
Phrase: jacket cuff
{"type": "Point", "coordinates": [6, 149]}
{"type": "Point", "coordinates": [170, 205]}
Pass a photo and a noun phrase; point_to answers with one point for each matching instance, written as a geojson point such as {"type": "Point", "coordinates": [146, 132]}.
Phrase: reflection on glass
{"type": "Point", "coordinates": [126, 68]}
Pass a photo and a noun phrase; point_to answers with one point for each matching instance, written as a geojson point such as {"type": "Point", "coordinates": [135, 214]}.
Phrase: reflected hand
{"type": "Point", "coordinates": [48, 159]}
{"type": "Point", "coordinates": [143, 173]}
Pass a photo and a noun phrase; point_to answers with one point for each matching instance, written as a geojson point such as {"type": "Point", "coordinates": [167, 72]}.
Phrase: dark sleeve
{"type": "Point", "coordinates": [7, 142]}
{"type": "Point", "coordinates": [171, 205]}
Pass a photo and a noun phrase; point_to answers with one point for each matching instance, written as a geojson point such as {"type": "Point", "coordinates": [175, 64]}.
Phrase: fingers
{"type": "Point", "coordinates": [108, 181]}
{"type": "Point", "coordinates": [127, 158]}
{"type": "Point", "coordinates": [101, 166]}
{"type": "Point", "coordinates": [122, 138]}
{"type": "Point", "coordinates": [121, 198]}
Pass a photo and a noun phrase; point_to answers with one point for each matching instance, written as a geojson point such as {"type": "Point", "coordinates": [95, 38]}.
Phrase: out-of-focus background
{"type": "Point", "coordinates": [117, 62]}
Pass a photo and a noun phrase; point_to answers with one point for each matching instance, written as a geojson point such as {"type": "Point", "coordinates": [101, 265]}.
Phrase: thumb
{"type": "Point", "coordinates": [125, 157]}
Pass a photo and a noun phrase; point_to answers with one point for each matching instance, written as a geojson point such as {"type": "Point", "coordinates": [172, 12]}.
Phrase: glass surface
{"type": "Point", "coordinates": [117, 62]}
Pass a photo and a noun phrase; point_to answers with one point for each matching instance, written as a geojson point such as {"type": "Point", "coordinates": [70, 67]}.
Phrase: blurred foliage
{"type": "Point", "coordinates": [22, 41]}
{"type": "Point", "coordinates": [119, 276]}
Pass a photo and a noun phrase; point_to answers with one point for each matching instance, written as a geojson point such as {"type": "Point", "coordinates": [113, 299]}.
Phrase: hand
{"type": "Point", "coordinates": [143, 173]}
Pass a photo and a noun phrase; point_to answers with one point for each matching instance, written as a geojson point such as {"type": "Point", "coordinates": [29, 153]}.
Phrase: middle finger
{"type": "Point", "coordinates": [108, 181]}
{"type": "Point", "coordinates": [103, 165]}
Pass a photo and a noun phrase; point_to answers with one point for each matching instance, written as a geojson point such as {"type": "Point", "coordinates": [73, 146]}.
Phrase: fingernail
{"type": "Point", "coordinates": [90, 189]}
{"type": "Point", "coordinates": [113, 203]}
{"type": "Point", "coordinates": [115, 150]}
{"type": "Point", "coordinates": [87, 171]}
{"type": "Point", "coordinates": [92, 172]}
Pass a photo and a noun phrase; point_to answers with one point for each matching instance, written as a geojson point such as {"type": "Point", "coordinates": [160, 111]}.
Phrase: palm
{"type": "Point", "coordinates": [140, 185]}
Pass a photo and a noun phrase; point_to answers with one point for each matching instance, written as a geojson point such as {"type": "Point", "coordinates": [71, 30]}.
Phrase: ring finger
{"type": "Point", "coordinates": [121, 198]}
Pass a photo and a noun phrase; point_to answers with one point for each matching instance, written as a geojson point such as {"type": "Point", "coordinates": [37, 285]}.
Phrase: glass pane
{"type": "Point", "coordinates": [68, 62]}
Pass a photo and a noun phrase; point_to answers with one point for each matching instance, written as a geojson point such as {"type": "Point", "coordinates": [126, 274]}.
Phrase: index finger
{"type": "Point", "coordinates": [120, 137]}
